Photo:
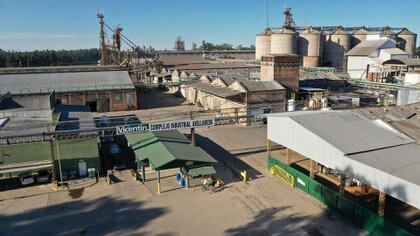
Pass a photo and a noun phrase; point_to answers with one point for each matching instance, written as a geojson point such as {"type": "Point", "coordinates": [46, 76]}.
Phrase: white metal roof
{"type": "Point", "coordinates": [65, 82]}
{"type": "Point", "coordinates": [355, 146]}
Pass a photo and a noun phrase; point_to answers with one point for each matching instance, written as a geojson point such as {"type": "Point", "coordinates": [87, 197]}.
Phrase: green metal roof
{"type": "Point", "coordinates": [205, 170]}
{"type": "Point", "coordinates": [167, 149]}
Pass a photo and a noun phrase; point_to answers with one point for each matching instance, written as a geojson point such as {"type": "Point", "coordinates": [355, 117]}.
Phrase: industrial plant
{"type": "Point", "coordinates": [315, 132]}
{"type": "Point", "coordinates": [325, 45]}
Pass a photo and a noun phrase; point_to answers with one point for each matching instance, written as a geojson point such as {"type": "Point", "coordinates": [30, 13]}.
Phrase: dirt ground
{"type": "Point", "coordinates": [262, 206]}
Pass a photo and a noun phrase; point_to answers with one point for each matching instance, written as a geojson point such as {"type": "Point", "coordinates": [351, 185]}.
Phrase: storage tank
{"type": "Point", "coordinates": [284, 41]}
{"type": "Point", "coordinates": [262, 43]}
{"type": "Point", "coordinates": [407, 41]}
{"type": "Point", "coordinates": [389, 33]}
{"type": "Point", "coordinates": [309, 47]}
{"type": "Point", "coordinates": [337, 43]}
{"type": "Point", "coordinates": [358, 36]}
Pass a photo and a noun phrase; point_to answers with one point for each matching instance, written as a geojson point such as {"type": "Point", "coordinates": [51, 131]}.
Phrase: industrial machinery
{"type": "Point", "coordinates": [142, 61]}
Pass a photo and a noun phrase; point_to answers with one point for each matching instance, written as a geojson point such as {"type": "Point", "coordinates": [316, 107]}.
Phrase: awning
{"type": "Point", "coordinates": [167, 149]}
{"type": "Point", "coordinates": [204, 170]}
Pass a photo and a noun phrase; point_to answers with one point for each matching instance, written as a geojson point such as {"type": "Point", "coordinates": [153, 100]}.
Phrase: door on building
{"type": "Point", "coordinates": [102, 105]}
{"type": "Point", "coordinates": [92, 105]}
{"type": "Point", "coordinates": [82, 169]}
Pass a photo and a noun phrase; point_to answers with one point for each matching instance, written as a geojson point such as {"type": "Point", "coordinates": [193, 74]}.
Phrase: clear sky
{"type": "Point", "coordinates": [70, 24]}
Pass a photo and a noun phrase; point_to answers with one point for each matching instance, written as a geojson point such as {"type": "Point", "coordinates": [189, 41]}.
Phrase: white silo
{"type": "Point", "coordinates": [309, 47]}
{"type": "Point", "coordinates": [284, 41]}
{"type": "Point", "coordinates": [359, 36]}
{"type": "Point", "coordinates": [262, 43]}
{"type": "Point", "coordinates": [337, 43]}
{"type": "Point", "coordinates": [407, 41]}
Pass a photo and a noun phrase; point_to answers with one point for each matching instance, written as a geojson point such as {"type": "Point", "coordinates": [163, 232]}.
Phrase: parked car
{"type": "Point", "coordinates": [26, 178]}
{"type": "Point", "coordinates": [43, 176]}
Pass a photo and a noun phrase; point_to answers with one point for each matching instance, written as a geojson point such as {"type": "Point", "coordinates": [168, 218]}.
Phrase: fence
{"type": "Point", "coordinates": [359, 215]}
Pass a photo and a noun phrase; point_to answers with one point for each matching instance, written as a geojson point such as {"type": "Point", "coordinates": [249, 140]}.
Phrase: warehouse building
{"type": "Point", "coordinates": [364, 60]}
{"type": "Point", "coordinates": [233, 97]}
{"type": "Point", "coordinates": [66, 156]}
{"type": "Point", "coordinates": [102, 91]}
{"type": "Point", "coordinates": [373, 154]}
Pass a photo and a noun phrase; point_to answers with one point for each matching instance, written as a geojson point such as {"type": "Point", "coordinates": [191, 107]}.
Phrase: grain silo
{"type": "Point", "coordinates": [309, 47]}
{"type": "Point", "coordinates": [284, 41]}
{"type": "Point", "coordinates": [389, 33]}
{"type": "Point", "coordinates": [358, 36]}
{"type": "Point", "coordinates": [407, 41]}
{"type": "Point", "coordinates": [337, 43]}
{"type": "Point", "coordinates": [262, 43]}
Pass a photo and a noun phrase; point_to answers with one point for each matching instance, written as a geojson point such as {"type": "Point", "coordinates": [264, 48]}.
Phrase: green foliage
{"type": "Point", "coordinates": [206, 46]}
{"type": "Point", "coordinates": [48, 58]}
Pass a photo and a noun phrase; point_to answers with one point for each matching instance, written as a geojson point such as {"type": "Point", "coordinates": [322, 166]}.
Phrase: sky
{"type": "Point", "coordinates": [58, 24]}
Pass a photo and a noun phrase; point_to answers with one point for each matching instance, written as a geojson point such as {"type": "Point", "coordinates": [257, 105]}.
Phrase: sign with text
{"type": "Point", "coordinates": [170, 125]}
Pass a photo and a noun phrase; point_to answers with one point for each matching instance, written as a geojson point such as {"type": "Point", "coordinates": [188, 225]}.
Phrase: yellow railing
{"type": "Point", "coordinates": [286, 177]}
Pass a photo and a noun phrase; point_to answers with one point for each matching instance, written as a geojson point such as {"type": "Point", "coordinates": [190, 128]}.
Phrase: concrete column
{"type": "Point", "coordinates": [288, 156]}
{"type": "Point", "coordinates": [84, 98]}
{"type": "Point", "coordinates": [69, 99]}
{"type": "Point", "coordinates": [269, 145]}
{"type": "Point", "coordinates": [312, 169]}
{"type": "Point", "coordinates": [381, 204]}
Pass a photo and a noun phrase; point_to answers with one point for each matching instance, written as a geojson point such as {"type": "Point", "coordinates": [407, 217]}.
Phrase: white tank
{"type": "Point", "coordinates": [310, 47]}
{"type": "Point", "coordinates": [337, 43]}
{"type": "Point", "coordinates": [407, 41]}
{"type": "Point", "coordinates": [359, 36]}
{"type": "Point", "coordinates": [284, 41]}
{"type": "Point", "coordinates": [291, 106]}
{"type": "Point", "coordinates": [262, 43]}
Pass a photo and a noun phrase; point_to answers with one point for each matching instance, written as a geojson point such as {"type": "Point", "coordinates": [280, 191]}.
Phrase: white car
{"type": "Point", "coordinates": [26, 178]}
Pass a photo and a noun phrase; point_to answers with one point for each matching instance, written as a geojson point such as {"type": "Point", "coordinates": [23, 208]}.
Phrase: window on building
{"type": "Point", "coordinates": [118, 98]}
{"type": "Point", "coordinates": [129, 98]}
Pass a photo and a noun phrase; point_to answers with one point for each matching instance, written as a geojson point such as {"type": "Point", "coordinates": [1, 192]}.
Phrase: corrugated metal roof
{"type": "Point", "coordinates": [367, 47]}
{"type": "Point", "coordinates": [395, 51]}
{"type": "Point", "coordinates": [203, 171]}
{"type": "Point", "coordinates": [166, 149]}
{"type": "Point", "coordinates": [65, 82]}
{"type": "Point", "coordinates": [254, 86]}
{"type": "Point", "coordinates": [266, 32]}
{"type": "Point", "coordinates": [218, 91]}
{"type": "Point", "coordinates": [74, 118]}
{"type": "Point", "coordinates": [350, 132]}
{"type": "Point", "coordinates": [401, 161]}
{"type": "Point", "coordinates": [354, 146]}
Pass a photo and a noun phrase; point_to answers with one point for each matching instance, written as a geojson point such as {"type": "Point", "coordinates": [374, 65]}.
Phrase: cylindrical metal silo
{"type": "Point", "coordinates": [284, 41]}
{"type": "Point", "coordinates": [407, 41]}
{"type": "Point", "coordinates": [389, 33]}
{"type": "Point", "coordinates": [337, 43]}
{"type": "Point", "coordinates": [309, 47]}
{"type": "Point", "coordinates": [262, 43]}
{"type": "Point", "coordinates": [358, 36]}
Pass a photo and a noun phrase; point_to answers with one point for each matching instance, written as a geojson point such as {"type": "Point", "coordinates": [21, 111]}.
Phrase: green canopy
{"type": "Point", "coordinates": [204, 170]}
{"type": "Point", "coordinates": [167, 149]}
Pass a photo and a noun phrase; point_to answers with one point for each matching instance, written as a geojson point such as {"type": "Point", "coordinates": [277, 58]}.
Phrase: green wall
{"type": "Point", "coordinates": [359, 215]}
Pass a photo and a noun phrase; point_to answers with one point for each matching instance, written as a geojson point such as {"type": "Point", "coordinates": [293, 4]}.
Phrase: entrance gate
{"type": "Point", "coordinates": [286, 177]}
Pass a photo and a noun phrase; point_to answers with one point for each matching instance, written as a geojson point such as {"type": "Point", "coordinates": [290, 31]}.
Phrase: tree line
{"type": "Point", "coordinates": [206, 46]}
{"type": "Point", "coordinates": [48, 57]}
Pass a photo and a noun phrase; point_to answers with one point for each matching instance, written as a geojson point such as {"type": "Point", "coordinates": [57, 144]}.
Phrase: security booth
{"type": "Point", "coordinates": [170, 149]}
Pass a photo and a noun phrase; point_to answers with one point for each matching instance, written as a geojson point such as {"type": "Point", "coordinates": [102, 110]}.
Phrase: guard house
{"type": "Point", "coordinates": [167, 150]}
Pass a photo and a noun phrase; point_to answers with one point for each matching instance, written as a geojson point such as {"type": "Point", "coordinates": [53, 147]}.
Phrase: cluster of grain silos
{"type": "Point", "coordinates": [319, 47]}
{"type": "Point", "coordinates": [310, 47]}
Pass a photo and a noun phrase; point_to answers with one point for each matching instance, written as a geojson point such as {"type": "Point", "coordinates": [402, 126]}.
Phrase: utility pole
{"type": "Point", "coordinates": [102, 46]}
{"type": "Point", "coordinates": [192, 129]}
{"type": "Point", "coordinates": [54, 174]}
